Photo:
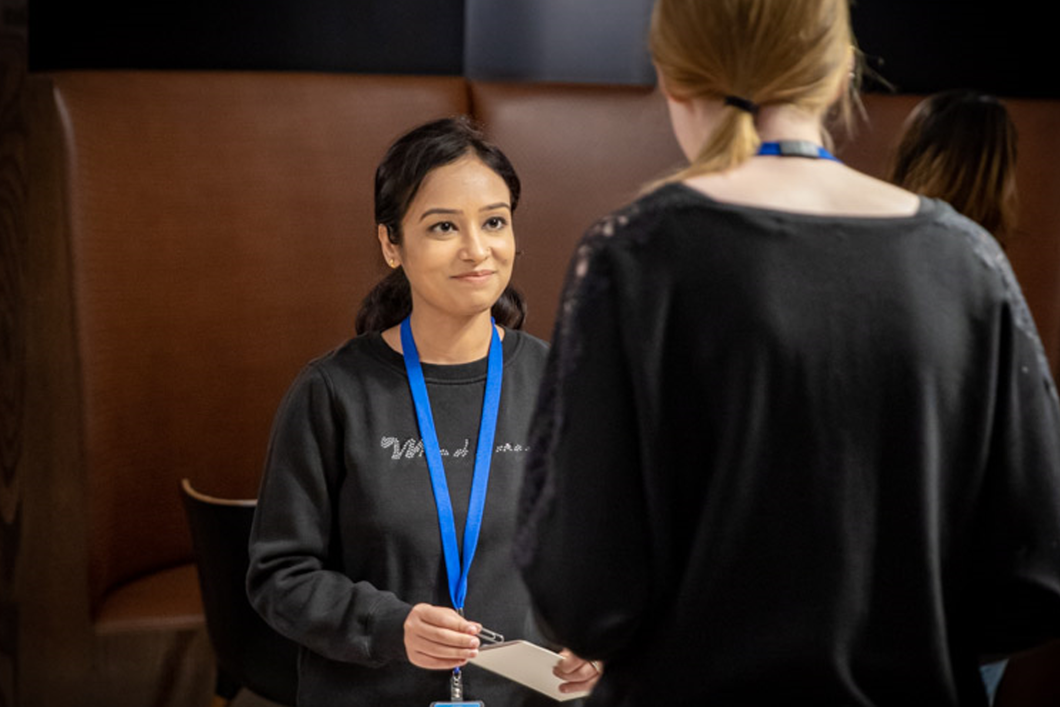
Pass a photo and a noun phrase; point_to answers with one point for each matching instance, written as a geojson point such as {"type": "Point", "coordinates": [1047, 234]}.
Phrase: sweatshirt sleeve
{"type": "Point", "coordinates": [1018, 565]}
{"type": "Point", "coordinates": [291, 580]}
{"type": "Point", "coordinates": [582, 545]}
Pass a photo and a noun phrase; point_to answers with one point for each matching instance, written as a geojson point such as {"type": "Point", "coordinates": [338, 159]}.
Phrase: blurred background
{"type": "Point", "coordinates": [917, 46]}
{"type": "Point", "coordinates": [911, 46]}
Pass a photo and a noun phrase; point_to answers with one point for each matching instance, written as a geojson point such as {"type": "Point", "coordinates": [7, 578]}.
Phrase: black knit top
{"type": "Point", "coordinates": [345, 537]}
{"type": "Point", "coordinates": [786, 458]}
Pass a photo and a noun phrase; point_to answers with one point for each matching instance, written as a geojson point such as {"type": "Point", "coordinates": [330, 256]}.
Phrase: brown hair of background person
{"type": "Point", "coordinates": [960, 146]}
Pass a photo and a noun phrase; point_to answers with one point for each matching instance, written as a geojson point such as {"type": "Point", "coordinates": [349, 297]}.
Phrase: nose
{"type": "Point", "coordinates": [475, 248]}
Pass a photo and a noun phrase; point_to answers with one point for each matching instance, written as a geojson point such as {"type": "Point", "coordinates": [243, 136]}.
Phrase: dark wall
{"type": "Point", "coordinates": [558, 40]}
{"type": "Point", "coordinates": [917, 46]}
{"type": "Point", "coordinates": [921, 46]}
{"type": "Point", "coordinates": [375, 36]}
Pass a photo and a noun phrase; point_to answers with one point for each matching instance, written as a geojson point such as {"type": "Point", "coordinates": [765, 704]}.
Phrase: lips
{"type": "Point", "coordinates": [475, 275]}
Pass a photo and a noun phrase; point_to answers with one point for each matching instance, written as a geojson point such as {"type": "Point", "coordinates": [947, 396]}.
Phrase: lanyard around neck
{"type": "Point", "coordinates": [796, 148]}
{"type": "Point", "coordinates": [457, 564]}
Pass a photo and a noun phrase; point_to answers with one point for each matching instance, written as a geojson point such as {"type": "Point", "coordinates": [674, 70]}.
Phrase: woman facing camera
{"type": "Point", "coordinates": [382, 538]}
{"type": "Point", "coordinates": [797, 441]}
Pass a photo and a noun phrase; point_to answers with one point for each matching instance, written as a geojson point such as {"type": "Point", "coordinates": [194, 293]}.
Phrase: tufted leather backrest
{"type": "Point", "coordinates": [221, 235]}
{"type": "Point", "coordinates": [191, 239]}
{"type": "Point", "coordinates": [581, 151]}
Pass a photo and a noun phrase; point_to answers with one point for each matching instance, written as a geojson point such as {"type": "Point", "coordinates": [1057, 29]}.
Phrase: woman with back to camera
{"type": "Point", "coordinates": [797, 441]}
{"type": "Point", "coordinates": [413, 429]}
{"type": "Point", "coordinates": [960, 146]}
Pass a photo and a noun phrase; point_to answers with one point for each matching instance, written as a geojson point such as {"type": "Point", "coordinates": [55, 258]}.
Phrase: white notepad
{"type": "Point", "coordinates": [526, 663]}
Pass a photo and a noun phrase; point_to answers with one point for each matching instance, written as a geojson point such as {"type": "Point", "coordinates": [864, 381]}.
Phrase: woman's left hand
{"type": "Point", "coordinates": [577, 673]}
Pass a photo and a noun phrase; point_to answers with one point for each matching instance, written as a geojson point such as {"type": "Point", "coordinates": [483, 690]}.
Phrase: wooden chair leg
{"type": "Point", "coordinates": [225, 689]}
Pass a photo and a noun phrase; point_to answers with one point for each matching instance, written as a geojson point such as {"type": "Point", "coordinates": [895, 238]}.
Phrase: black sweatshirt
{"type": "Point", "coordinates": [345, 537]}
{"type": "Point", "coordinates": [784, 458]}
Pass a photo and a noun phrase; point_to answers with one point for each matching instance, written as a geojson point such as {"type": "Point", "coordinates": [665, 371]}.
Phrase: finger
{"type": "Point", "coordinates": [428, 645]}
{"type": "Point", "coordinates": [582, 673]}
{"type": "Point", "coordinates": [427, 654]}
{"type": "Point", "coordinates": [431, 662]}
{"type": "Point", "coordinates": [444, 617]}
{"type": "Point", "coordinates": [450, 647]}
{"type": "Point", "coordinates": [447, 648]}
{"type": "Point", "coordinates": [444, 636]}
{"type": "Point", "coordinates": [421, 623]}
{"type": "Point", "coordinates": [574, 668]}
{"type": "Point", "coordinates": [583, 686]}
{"type": "Point", "coordinates": [569, 665]}
{"type": "Point", "coordinates": [569, 661]}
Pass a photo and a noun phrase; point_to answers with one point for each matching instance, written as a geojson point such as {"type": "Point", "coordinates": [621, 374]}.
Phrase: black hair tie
{"type": "Point", "coordinates": [742, 103]}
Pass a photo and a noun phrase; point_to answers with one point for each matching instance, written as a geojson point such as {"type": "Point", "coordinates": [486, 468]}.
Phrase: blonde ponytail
{"type": "Point", "coordinates": [749, 53]}
{"type": "Point", "coordinates": [734, 141]}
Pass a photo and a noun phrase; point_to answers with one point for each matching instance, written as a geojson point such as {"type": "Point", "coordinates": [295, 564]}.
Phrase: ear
{"type": "Point", "coordinates": [391, 253]}
{"type": "Point", "coordinates": [846, 84]}
{"type": "Point", "coordinates": [664, 86]}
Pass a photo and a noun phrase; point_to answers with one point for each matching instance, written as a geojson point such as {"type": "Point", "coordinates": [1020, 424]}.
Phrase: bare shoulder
{"type": "Point", "coordinates": [863, 193]}
{"type": "Point", "coordinates": [807, 186]}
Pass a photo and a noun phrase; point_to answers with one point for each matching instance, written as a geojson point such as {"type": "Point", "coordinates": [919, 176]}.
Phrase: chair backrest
{"type": "Point", "coordinates": [220, 233]}
{"type": "Point", "coordinates": [248, 650]}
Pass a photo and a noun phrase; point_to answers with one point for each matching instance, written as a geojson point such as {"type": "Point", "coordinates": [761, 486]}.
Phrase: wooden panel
{"type": "Point", "coordinates": [13, 187]}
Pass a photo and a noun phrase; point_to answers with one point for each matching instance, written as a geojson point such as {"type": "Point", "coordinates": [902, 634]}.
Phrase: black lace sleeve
{"type": "Point", "coordinates": [581, 539]}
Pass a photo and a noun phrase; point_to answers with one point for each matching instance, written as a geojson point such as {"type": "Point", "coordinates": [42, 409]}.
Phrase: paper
{"type": "Point", "coordinates": [528, 664]}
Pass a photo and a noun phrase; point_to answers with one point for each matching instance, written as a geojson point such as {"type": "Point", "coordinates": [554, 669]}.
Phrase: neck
{"type": "Point", "coordinates": [788, 123]}
{"type": "Point", "coordinates": [451, 340]}
{"type": "Point", "coordinates": [693, 121]}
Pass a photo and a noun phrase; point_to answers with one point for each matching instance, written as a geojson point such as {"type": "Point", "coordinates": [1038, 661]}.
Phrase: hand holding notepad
{"type": "Point", "coordinates": [528, 664]}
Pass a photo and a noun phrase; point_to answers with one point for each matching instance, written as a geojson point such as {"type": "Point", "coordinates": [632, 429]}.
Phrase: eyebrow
{"type": "Point", "coordinates": [491, 207]}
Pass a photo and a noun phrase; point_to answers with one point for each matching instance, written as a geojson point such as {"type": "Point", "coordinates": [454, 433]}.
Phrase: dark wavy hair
{"type": "Point", "coordinates": [397, 179]}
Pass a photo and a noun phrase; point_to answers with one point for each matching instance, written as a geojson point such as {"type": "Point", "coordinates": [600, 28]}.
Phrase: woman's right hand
{"type": "Point", "coordinates": [438, 638]}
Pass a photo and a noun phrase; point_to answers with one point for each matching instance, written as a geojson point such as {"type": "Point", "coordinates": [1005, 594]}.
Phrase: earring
{"type": "Point", "coordinates": [391, 262]}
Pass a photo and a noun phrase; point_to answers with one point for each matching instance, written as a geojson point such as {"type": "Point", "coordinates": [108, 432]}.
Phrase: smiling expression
{"type": "Point", "coordinates": [458, 246]}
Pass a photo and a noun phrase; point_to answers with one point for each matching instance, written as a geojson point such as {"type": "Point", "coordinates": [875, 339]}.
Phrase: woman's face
{"type": "Point", "coordinates": [458, 246]}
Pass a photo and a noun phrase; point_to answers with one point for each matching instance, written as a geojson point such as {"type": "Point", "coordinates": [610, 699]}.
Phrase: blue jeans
{"type": "Point", "coordinates": [991, 674]}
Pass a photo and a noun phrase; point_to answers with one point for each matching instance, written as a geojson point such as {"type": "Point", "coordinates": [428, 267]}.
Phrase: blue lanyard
{"type": "Point", "coordinates": [456, 569]}
{"type": "Point", "coordinates": [796, 148]}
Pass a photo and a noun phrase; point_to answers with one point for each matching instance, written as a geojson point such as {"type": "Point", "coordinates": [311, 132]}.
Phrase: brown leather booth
{"type": "Point", "coordinates": [189, 240]}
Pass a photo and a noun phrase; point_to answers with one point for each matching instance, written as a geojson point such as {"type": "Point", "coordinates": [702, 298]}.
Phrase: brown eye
{"type": "Point", "coordinates": [443, 227]}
